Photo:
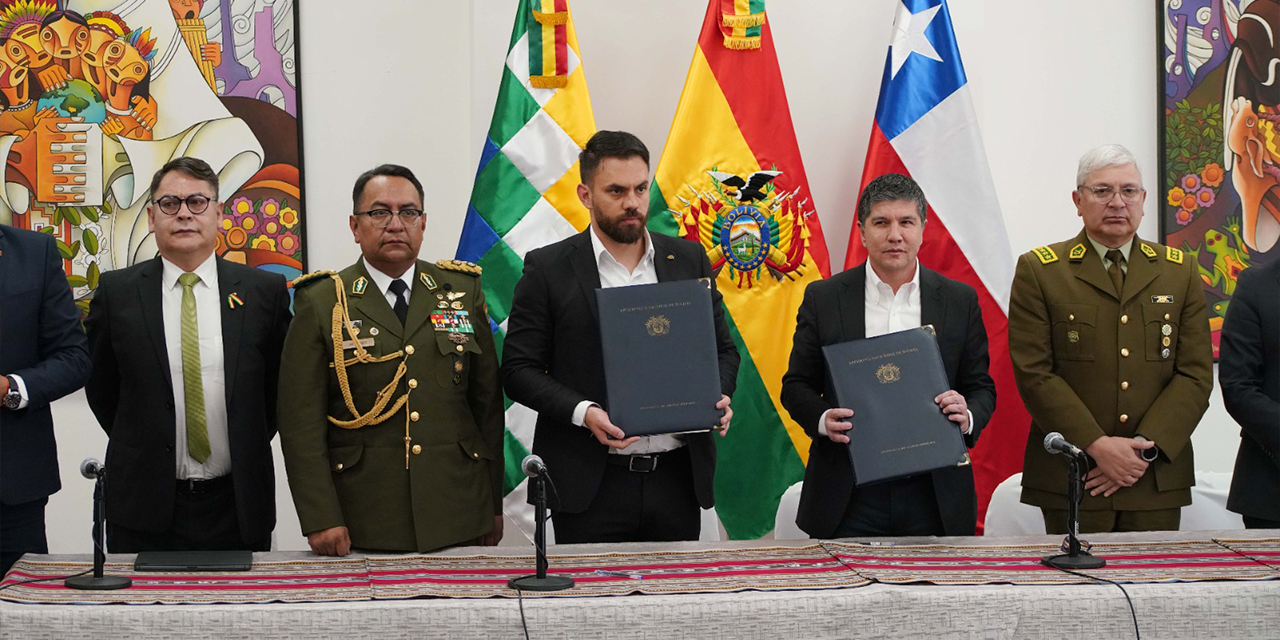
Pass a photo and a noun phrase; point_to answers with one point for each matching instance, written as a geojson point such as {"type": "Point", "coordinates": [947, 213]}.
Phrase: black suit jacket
{"type": "Point", "coordinates": [834, 311]}
{"type": "Point", "coordinates": [132, 393]}
{"type": "Point", "coordinates": [552, 360]}
{"type": "Point", "coordinates": [1249, 372]}
{"type": "Point", "coordinates": [41, 341]}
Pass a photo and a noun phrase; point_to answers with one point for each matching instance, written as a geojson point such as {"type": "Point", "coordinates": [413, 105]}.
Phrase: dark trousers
{"type": "Point", "coordinates": [638, 506]}
{"type": "Point", "coordinates": [1251, 522]}
{"type": "Point", "coordinates": [1055, 520]}
{"type": "Point", "coordinates": [204, 519]}
{"type": "Point", "coordinates": [21, 531]}
{"type": "Point", "coordinates": [903, 507]}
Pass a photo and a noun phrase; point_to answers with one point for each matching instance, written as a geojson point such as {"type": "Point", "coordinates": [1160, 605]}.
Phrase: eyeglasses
{"type": "Point", "coordinates": [382, 217]}
{"type": "Point", "coordinates": [196, 204]}
{"type": "Point", "coordinates": [1105, 194]}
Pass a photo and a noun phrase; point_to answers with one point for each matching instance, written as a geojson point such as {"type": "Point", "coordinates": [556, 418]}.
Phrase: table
{"type": "Point", "coordinates": [1220, 609]}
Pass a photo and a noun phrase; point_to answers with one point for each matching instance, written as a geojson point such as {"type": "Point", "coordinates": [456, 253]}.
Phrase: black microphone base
{"type": "Point", "coordinates": [534, 583]}
{"type": "Point", "coordinates": [1066, 561]}
{"type": "Point", "coordinates": [105, 583]}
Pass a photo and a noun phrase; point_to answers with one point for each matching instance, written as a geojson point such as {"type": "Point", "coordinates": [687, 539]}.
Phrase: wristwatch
{"type": "Point", "coordinates": [1149, 455]}
{"type": "Point", "coordinates": [12, 399]}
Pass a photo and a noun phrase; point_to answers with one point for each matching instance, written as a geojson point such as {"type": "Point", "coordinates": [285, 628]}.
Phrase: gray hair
{"type": "Point", "coordinates": [1107, 155]}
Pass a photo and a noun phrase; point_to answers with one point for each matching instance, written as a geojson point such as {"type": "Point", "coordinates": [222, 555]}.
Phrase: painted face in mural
{"type": "Point", "coordinates": [29, 36]}
{"type": "Point", "coordinates": [394, 248]}
{"type": "Point", "coordinates": [185, 238]}
{"type": "Point", "coordinates": [94, 58]}
{"type": "Point", "coordinates": [13, 71]}
{"type": "Point", "coordinates": [1114, 222]}
{"type": "Point", "coordinates": [65, 38]}
{"type": "Point", "coordinates": [125, 65]}
{"type": "Point", "coordinates": [185, 9]}
{"type": "Point", "coordinates": [618, 198]}
{"type": "Point", "coordinates": [892, 234]}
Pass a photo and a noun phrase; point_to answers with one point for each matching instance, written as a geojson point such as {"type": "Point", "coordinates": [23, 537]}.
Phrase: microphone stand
{"type": "Point", "coordinates": [98, 582]}
{"type": "Point", "coordinates": [540, 581]}
{"type": "Point", "coordinates": [1075, 558]}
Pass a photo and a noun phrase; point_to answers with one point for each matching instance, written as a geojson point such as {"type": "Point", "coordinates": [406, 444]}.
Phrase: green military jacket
{"type": "Point", "coordinates": [1091, 362]}
{"type": "Point", "coordinates": [426, 471]}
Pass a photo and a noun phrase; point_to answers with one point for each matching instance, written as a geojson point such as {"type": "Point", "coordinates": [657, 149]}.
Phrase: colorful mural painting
{"type": "Point", "coordinates": [99, 94]}
{"type": "Point", "coordinates": [1220, 138]}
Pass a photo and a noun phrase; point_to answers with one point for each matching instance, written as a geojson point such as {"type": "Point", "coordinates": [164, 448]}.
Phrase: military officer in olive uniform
{"type": "Point", "coordinates": [397, 446]}
{"type": "Point", "coordinates": [1109, 337]}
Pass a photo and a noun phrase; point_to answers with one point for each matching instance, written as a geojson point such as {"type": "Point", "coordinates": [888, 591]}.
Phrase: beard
{"type": "Point", "coordinates": [613, 228]}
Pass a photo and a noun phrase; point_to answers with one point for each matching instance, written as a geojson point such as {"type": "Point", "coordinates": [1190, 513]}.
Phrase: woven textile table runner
{"type": "Point", "coordinates": [822, 565]}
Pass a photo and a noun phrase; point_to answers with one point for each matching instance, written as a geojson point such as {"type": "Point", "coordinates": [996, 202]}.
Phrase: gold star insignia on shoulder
{"type": "Point", "coordinates": [461, 266]}
{"type": "Point", "coordinates": [359, 285]}
{"type": "Point", "coordinates": [308, 278]}
{"type": "Point", "coordinates": [1148, 251]}
{"type": "Point", "coordinates": [1077, 252]}
{"type": "Point", "coordinates": [1045, 254]}
{"type": "Point", "coordinates": [1173, 255]}
{"type": "Point", "coordinates": [427, 281]}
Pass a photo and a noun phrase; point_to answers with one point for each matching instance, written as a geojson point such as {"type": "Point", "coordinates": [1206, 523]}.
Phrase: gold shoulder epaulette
{"type": "Point", "coordinates": [1045, 254]}
{"type": "Point", "coordinates": [461, 266]}
{"type": "Point", "coordinates": [307, 278]}
{"type": "Point", "coordinates": [1173, 255]}
{"type": "Point", "coordinates": [1077, 252]}
{"type": "Point", "coordinates": [1148, 251]}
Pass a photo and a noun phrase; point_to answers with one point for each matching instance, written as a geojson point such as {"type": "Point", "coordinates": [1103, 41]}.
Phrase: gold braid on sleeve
{"type": "Point", "coordinates": [375, 415]}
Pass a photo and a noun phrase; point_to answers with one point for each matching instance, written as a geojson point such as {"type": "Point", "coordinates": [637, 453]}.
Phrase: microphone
{"type": "Point", "coordinates": [92, 468]}
{"type": "Point", "coordinates": [533, 466]}
{"type": "Point", "coordinates": [1055, 443]}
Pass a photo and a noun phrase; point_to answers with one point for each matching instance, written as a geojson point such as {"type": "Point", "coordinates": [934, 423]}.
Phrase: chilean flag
{"type": "Point", "coordinates": [926, 128]}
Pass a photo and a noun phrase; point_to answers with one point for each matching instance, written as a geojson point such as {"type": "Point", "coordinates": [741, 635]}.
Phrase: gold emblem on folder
{"type": "Point", "coordinates": [658, 326]}
{"type": "Point", "coordinates": [888, 373]}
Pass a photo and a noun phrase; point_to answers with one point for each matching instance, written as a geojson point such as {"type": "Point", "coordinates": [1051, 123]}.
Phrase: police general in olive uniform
{"type": "Point", "coordinates": [399, 446]}
{"type": "Point", "coordinates": [1109, 338]}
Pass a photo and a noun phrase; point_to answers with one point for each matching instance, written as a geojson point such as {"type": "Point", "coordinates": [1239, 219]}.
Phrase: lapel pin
{"type": "Point", "coordinates": [428, 281]}
{"type": "Point", "coordinates": [359, 286]}
{"type": "Point", "coordinates": [671, 256]}
{"type": "Point", "coordinates": [234, 300]}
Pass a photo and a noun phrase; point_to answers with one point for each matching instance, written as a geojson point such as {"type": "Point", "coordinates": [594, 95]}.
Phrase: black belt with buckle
{"type": "Point", "coordinates": [643, 463]}
{"type": "Point", "coordinates": [198, 485]}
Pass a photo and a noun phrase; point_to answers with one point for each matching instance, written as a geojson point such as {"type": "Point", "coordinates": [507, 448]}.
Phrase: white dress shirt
{"type": "Point", "coordinates": [887, 311]}
{"type": "Point", "coordinates": [613, 274]}
{"type": "Point", "coordinates": [212, 368]}
{"type": "Point", "coordinates": [383, 282]}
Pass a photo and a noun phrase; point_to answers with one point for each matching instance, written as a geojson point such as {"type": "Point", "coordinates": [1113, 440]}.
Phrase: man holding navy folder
{"type": "Point", "coordinates": [890, 292]}
{"type": "Point", "coordinates": [608, 487]}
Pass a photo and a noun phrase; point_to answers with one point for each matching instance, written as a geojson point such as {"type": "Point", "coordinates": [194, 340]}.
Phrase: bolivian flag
{"type": "Point", "coordinates": [732, 180]}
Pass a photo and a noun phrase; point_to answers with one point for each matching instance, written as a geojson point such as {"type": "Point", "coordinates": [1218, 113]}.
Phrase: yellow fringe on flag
{"type": "Point", "coordinates": [559, 17]}
{"type": "Point", "coordinates": [742, 42]}
{"type": "Point", "coordinates": [552, 82]}
{"type": "Point", "coordinates": [749, 20]}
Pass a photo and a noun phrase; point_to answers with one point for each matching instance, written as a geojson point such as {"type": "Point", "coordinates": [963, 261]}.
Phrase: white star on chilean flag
{"type": "Point", "coordinates": [925, 127]}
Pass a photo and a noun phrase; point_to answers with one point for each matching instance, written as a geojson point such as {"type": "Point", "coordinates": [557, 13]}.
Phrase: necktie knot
{"type": "Point", "coordinates": [188, 280]}
{"type": "Point", "coordinates": [398, 287]}
{"type": "Point", "coordinates": [1115, 270]}
{"type": "Point", "coordinates": [401, 307]}
{"type": "Point", "coordinates": [1115, 256]}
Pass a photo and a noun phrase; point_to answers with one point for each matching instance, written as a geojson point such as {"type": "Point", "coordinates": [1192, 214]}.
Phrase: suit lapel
{"type": "Point", "coordinates": [853, 305]}
{"type": "Point", "coordinates": [232, 322]}
{"type": "Point", "coordinates": [586, 271]}
{"type": "Point", "coordinates": [1141, 273]}
{"type": "Point", "coordinates": [1089, 269]}
{"type": "Point", "coordinates": [421, 302]}
{"type": "Point", "coordinates": [933, 309]}
{"type": "Point", "coordinates": [372, 304]}
{"type": "Point", "coordinates": [664, 260]}
{"type": "Point", "coordinates": [149, 300]}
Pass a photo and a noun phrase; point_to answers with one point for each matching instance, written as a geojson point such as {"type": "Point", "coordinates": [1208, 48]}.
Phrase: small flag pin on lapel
{"type": "Point", "coordinates": [234, 301]}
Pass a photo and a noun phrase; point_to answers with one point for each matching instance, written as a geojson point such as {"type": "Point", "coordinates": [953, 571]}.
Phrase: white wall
{"type": "Point", "coordinates": [417, 83]}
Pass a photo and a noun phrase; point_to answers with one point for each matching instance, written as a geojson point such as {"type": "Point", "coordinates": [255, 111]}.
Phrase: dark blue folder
{"type": "Point", "coordinates": [661, 369]}
{"type": "Point", "coordinates": [890, 382]}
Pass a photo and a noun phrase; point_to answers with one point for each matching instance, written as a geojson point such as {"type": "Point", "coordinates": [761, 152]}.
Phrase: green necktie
{"type": "Point", "coordinates": [192, 383]}
{"type": "Point", "coordinates": [1116, 273]}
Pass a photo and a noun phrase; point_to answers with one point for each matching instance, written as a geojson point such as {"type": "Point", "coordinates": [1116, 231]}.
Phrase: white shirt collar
{"type": "Point", "coordinates": [208, 272]}
{"type": "Point", "coordinates": [874, 283]}
{"type": "Point", "coordinates": [383, 281]}
{"type": "Point", "coordinates": [598, 249]}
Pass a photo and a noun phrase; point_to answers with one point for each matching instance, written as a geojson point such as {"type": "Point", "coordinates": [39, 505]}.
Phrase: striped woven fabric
{"type": "Point", "coordinates": [1131, 562]}
{"type": "Point", "coordinates": [305, 580]}
{"type": "Point", "coordinates": [1264, 550]}
{"type": "Point", "coordinates": [765, 569]}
